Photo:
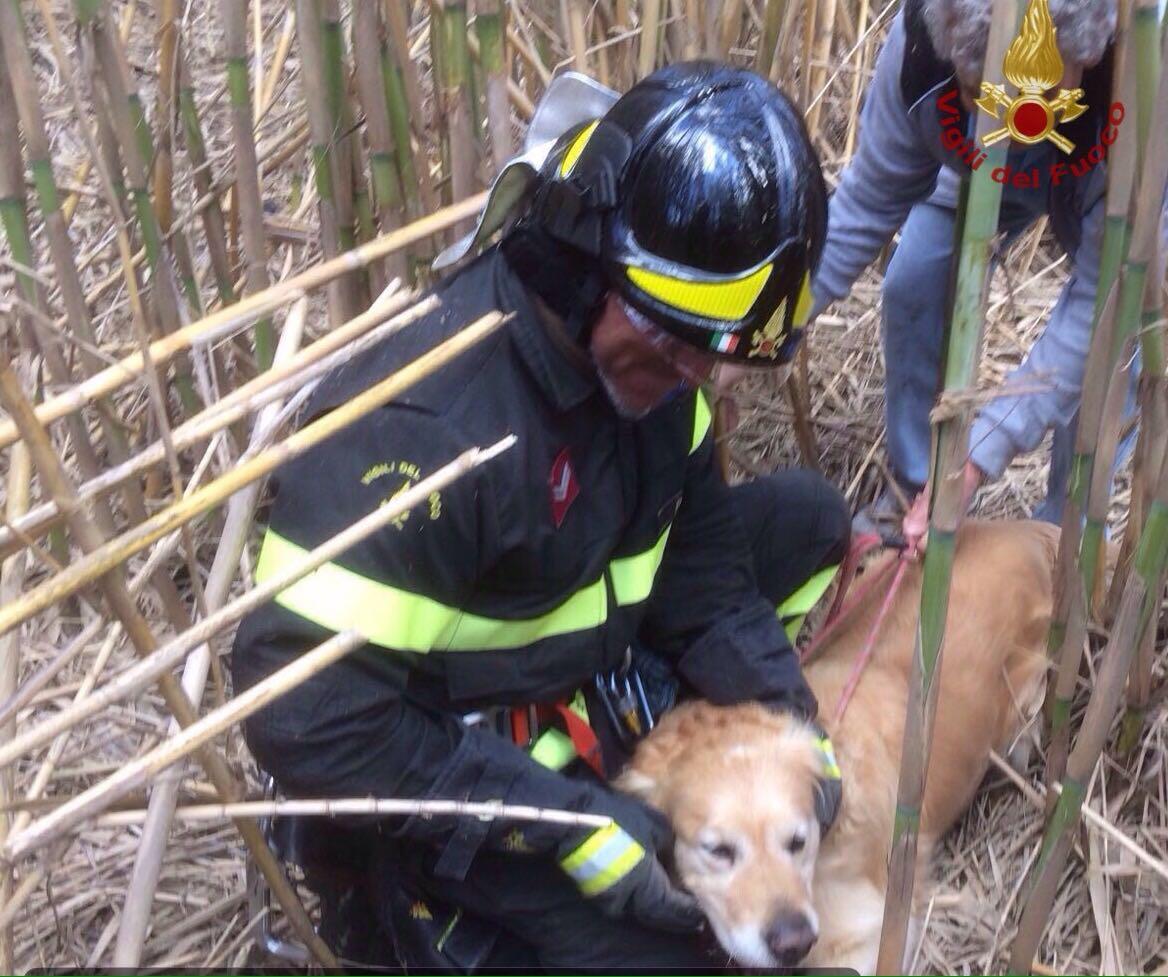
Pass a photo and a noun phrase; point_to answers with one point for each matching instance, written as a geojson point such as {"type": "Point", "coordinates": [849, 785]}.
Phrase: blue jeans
{"type": "Point", "coordinates": [916, 289]}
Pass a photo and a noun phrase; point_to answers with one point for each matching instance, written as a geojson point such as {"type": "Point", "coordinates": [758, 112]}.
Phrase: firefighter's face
{"type": "Point", "coordinates": [640, 365]}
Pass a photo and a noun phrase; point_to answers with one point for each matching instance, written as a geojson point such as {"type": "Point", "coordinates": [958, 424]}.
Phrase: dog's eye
{"type": "Point", "coordinates": [721, 851]}
{"type": "Point", "coordinates": [796, 844]}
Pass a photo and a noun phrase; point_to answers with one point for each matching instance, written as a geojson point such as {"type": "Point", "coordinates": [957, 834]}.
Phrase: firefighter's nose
{"type": "Point", "coordinates": [790, 937]}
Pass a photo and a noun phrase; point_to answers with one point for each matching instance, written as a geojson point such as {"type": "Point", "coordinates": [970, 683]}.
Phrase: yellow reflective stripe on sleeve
{"type": "Point", "coordinates": [633, 576]}
{"type": "Point", "coordinates": [572, 156]}
{"type": "Point", "coordinates": [807, 596]}
{"type": "Point", "coordinates": [338, 598]}
{"type": "Point", "coordinates": [606, 856]}
{"type": "Point", "coordinates": [702, 420]}
{"type": "Point", "coordinates": [726, 300]}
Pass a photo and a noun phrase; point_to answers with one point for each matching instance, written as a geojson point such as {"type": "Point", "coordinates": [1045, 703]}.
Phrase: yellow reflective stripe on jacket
{"type": "Point", "coordinates": [337, 598]}
{"type": "Point", "coordinates": [633, 576]}
{"type": "Point", "coordinates": [701, 421]}
{"type": "Point", "coordinates": [606, 856]}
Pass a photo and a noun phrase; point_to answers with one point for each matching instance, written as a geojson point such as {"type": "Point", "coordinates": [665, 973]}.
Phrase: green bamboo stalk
{"type": "Point", "coordinates": [129, 122]}
{"type": "Point", "coordinates": [980, 201]}
{"type": "Point", "coordinates": [368, 45]}
{"type": "Point", "coordinates": [418, 117]}
{"type": "Point", "coordinates": [1068, 617]}
{"type": "Point", "coordinates": [495, 58]}
{"type": "Point", "coordinates": [214, 227]}
{"type": "Point", "coordinates": [1145, 222]}
{"type": "Point", "coordinates": [341, 148]}
{"type": "Point", "coordinates": [1141, 601]}
{"type": "Point", "coordinates": [313, 78]}
{"type": "Point", "coordinates": [13, 42]}
{"type": "Point", "coordinates": [247, 180]}
{"type": "Point", "coordinates": [399, 123]}
{"type": "Point", "coordinates": [1146, 39]}
{"type": "Point", "coordinates": [452, 72]}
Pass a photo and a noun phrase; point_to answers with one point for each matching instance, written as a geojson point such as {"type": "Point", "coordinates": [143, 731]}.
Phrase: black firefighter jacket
{"type": "Point", "coordinates": [516, 584]}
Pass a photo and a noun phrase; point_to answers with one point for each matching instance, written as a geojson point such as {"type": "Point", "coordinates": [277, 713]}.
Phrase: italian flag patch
{"type": "Point", "coordinates": [725, 343]}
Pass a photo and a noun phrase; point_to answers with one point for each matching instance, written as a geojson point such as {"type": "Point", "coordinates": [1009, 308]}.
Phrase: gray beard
{"type": "Point", "coordinates": [614, 397]}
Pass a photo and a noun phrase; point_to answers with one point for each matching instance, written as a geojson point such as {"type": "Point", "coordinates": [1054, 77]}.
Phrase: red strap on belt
{"type": "Point", "coordinates": [583, 738]}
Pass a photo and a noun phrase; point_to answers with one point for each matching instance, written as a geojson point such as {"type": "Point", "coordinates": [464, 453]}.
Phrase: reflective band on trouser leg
{"type": "Point", "coordinates": [795, 608]}
{"type": "Point", "coordinates": [606, 856]}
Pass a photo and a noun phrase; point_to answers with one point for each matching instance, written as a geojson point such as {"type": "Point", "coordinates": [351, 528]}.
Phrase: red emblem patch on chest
{"type": "Point", "coordinates": [562, 486]}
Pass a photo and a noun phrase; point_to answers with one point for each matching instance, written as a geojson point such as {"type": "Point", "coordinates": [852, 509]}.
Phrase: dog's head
{"type": "Point", "coordinates": [739, 786]}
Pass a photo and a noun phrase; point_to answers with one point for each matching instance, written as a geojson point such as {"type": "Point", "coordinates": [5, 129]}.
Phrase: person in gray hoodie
{"type": "Point", "coordinates": [914, 149]}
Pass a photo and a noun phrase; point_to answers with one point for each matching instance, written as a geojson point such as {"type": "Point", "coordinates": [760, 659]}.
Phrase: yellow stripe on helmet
{"type": "Point", "coordinates": [572, 156]}
{"type": "Point", "coordinates": [729, 300]}
{"type": "Point", "coordinates": [803, 303]}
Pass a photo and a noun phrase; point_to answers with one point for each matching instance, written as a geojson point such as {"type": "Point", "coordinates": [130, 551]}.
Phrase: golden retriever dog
{"type": "Point", "coordinates": [738, 783]}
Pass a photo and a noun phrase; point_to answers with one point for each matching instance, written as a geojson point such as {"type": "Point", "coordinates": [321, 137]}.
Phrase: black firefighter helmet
{"type": "Point", "coordinates": [701, 197]}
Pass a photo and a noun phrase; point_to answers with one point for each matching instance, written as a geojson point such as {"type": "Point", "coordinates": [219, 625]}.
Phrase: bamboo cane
{"type": "Point", "coordinates": [572, 21]}
{"type": "Point", "coordinates": [332, 349]}
{"type": "Point", "coordinates": [769, 39]}
{"type": "Point", "coordinates": [824, 31]}
{"type": "Point", "coordinates": [340, 143]}
{"type": "Point", "coordinates": [276, 68]}
{"type": "Point", "coordinates": [495, 58]}
{"type": "Point", "coordinates": [1145, 223]}
{"type": "Point", "coordinates": [135, 916]}
{"type": "Point", "coordinates": [1141, 601]}
{"type": "Point", "coordinates": [222, 323]}
{"type": "Point", "coordinates": [136, 148]}
{"type": "Point", "coordinates": [650, 24]}
{"type": "Point", "coordinates": [857, 78]}
{"type": "Point", "coordinates": [247, 176]}
{"type": "Point", "coordinates": [33, 125]}
{"type": "Point", "coordinates": [981, 197]}
{"type": "Point", "coordinates": [410, 113]}
{"type": "Point", "coordinates": [112, 554]}
{"type": "Point", "coordinates": [368, 43]}
{"type": "Point", "coordinates": [214, 228]}
{"type": "Point", "coordinates": [146, 672]}
{"type": "Point", "coordinates": [523, 105]}
{"type": "Point", "coordinates": [114, 588]}
{"type": "Point", "coordinates": [11, 582]}
{"type": "Point", "coordinates": [349, 806]}
{"type": "Point", "coordinates": [448, 41]}
{"type": "Point", "coordinates": [136, 773]}
{"type": "Point", "coordinates": [342, 299]}
{"type": "Point", "coordinates": [1068, 584]}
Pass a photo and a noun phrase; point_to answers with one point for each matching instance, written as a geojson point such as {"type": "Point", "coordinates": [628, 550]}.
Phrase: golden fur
{"type": "Point", "coordinates": [738, 783]}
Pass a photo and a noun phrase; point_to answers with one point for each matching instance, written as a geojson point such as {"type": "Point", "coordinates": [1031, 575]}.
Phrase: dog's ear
{"type": "Point", "coordinates": [637, 783]}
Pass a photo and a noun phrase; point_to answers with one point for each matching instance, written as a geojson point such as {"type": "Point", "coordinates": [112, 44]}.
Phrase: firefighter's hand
{"type": "Point", "coordinates": [617, 868]}
{"type": "Point", "coordinates": [622, 878]}
{"type": "Point", "coordinates": [916, 521]}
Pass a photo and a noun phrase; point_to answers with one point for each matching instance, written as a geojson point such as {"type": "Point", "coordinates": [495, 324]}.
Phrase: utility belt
{"type": "Point", "coordinates": [629, 699]}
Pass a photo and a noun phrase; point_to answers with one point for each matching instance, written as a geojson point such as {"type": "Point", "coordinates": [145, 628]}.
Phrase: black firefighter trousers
{"type": "Point", "coordinates": [797, 524]}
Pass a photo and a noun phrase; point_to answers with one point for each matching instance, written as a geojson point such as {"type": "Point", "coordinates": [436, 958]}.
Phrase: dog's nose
{"type": "Point", "coordinates": [790, 937]}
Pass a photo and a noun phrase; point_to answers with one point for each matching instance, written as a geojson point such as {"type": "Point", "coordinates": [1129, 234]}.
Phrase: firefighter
{"type": "Point", "coordinates": [915, 148]}
{"type": "Point", "coordinates": [533, 617]}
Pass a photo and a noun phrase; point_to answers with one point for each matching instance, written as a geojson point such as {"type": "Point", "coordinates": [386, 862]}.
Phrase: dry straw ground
{"type": "Point", "coordinates": [1112, 912]}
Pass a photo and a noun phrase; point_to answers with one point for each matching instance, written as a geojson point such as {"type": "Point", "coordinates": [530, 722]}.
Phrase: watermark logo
{"type": "Point", "coordinates": [1034, 66]}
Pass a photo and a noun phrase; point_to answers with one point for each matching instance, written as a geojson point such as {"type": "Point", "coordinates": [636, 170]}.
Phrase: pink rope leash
{"type": "Point", "coordinates": [861, 663]}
